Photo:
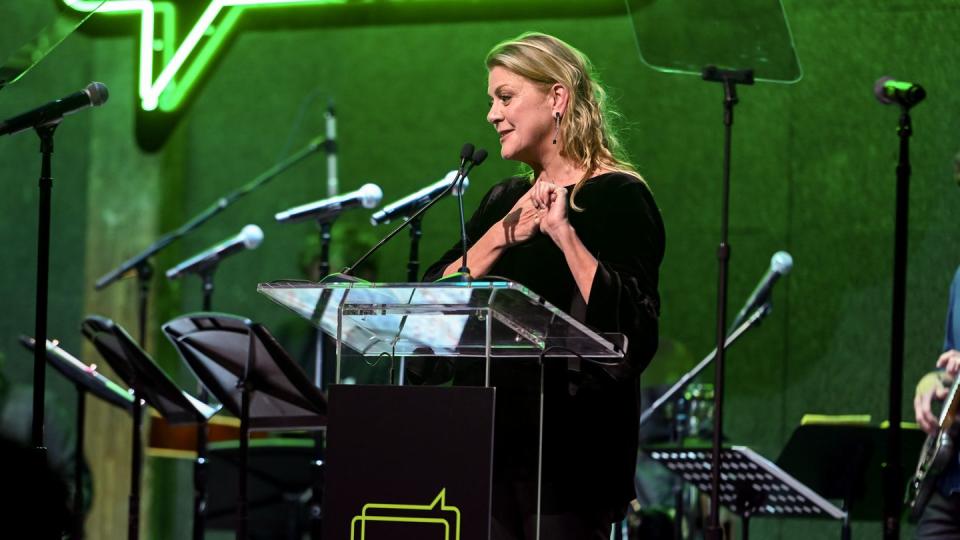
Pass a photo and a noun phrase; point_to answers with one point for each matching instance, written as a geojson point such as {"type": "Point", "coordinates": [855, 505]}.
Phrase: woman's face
{"type": "Point", "coordinates": [522, 113]}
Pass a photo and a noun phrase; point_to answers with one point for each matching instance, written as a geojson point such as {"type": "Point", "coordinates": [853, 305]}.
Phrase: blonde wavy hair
{"type": "Point", "coordinates": [586, 136]}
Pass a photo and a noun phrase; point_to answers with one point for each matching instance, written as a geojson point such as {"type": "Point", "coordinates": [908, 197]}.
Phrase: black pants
{"type": "Point", "coordinates": [940, 519]}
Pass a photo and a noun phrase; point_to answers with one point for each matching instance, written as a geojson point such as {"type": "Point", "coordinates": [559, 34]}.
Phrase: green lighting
{"type": "Point", "coordinates": [178, 73]}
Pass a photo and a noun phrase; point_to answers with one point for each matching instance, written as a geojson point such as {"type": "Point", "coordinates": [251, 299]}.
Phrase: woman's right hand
{"type": "Point", "coordinates": [521, 223]}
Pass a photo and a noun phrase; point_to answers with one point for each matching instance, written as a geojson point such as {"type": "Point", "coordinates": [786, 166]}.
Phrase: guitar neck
{"type": "Point", "coordinates": [951, 407]}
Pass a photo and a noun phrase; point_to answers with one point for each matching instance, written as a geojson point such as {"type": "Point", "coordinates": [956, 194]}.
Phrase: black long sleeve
{"type": "Point", "coordinates": [622, 228]}
{"type": "Point", "coordinates": [590, 416]}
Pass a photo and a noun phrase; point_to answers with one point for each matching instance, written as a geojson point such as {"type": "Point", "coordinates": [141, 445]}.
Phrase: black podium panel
{"type": "Point", "coordinates": [409, 462]}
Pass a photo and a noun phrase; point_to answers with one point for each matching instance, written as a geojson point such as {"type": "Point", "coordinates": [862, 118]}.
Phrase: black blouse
{"type": "Point", "coordinates": [590, 431]}
{"type": "Point", "coordinates": [622, 228]}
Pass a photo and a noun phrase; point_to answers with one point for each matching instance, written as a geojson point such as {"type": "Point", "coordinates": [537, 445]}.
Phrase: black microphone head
{"type": "Point", "coordinates": [889, 91]}
{"type": "Point", "coordinates": [98, 93]}
{"type": "Point", "coordinates": [479, 156]}
{"type": "Point", "coordinates": [466, 152]}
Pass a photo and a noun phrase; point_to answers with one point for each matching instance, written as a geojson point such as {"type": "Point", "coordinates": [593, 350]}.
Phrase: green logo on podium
{"type": "Point", "coordinates": [435, 520]}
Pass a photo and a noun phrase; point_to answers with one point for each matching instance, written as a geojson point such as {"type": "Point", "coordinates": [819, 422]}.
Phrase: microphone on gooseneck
{"type": "Point", "coordinates": [478, 157]}
{"type": "Point", "coordinates": [466, 160]}
{"type": "Point", "coordinates": [475, 159]}
{"type": "Point", "coordinates": [408, 204]}
{"type": "Point", "coordinates": [466, 153]}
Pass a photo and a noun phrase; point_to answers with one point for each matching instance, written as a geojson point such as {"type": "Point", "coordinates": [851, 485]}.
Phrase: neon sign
{"type": "Point", "coordinates": [168, 70]}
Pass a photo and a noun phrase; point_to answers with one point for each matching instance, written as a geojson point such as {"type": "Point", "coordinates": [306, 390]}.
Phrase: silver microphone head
{"type": "Point", "coordinates": [251, 236]}
{"type": "Point", "coordinates": [461, 186]}
{"type": "Point", "coordinates": [370, 195]}
{"type": "Point", "coordinates": [97, 92]}
{"type": "Point", "coordinates": [781, 262]}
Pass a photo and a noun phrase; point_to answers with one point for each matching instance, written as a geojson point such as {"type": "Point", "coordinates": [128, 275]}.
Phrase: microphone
{"type": "Point", "coordinates": [405, 206]}
{"type": "Point", "coordinates": [468, 166]}
{"type": "Point", "coordinates": [324, 210]}
{"type": "Point", "coordinates": [476, 159]}
{"type": "Point", "coordinates": [248, 238]}
{"type": "Point", "coordinates": [466, 153]}
{"type": "Point", "coordinates": [889, 91]}
{"type": "Point", "coordinates": [94, 95]}
{"type": "Point", "coordinates": [780, 265]}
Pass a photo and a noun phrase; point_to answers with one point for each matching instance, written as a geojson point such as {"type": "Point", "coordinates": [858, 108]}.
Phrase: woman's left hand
{"type": "Point", "coordinates": [550, 202]}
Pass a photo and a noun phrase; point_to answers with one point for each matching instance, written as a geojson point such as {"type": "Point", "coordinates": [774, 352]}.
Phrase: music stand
{"type": "Point", "coordinates": [245, 367]}
{"type": "Point", "coordinates": [846, 462]}
{"type": "Point", "coordinates": [150, 384]}
{"type": "Point", "coordinates": [85, 378]}
{"type": "Point", "coordinates": [750, 484]}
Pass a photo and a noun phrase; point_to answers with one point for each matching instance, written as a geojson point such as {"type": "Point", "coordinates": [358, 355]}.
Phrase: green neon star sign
{"type": "Point", "coordinates": [168, 69]}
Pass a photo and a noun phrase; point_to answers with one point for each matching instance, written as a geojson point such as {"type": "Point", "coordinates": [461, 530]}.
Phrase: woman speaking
{"type": "Point", "coordinates": [582, 230]}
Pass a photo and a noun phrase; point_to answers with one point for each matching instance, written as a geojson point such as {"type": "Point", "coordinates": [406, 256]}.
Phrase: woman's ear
{"type": "Point", "coordinates": [560, 97]}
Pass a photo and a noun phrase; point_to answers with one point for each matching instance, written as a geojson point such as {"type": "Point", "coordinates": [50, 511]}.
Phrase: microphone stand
{"type": "Point", "coordinates": [200, 465]}
{"type": "Point", "coordinates": [752, 321]}
{"type": "Point", "coordinates": [315, 504]}
{"type": "Point", "coordinates": [464, 269]}
{"type": "Point", "coordinates": [222, 204]}
{"type": "Point", "coordinates": [893, 490]}
{"type": "Point", "coordinates": [729, 79]}
{"type": "Point", "coordinates": [45, 132]}
{"type": "Point", "coordinates": [140, 266]}
{"type": "Point", "coordinates": [413, 265]}
{"type": "Point", "coordinates": [740, 327]}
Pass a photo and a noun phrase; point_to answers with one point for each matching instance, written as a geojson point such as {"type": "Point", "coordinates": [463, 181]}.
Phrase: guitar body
{"type": "Point", "coordinates": [935, 456]}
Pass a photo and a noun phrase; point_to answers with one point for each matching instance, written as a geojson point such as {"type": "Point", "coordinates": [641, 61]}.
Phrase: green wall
{"type": "Point", "coordinates": [813, 173]}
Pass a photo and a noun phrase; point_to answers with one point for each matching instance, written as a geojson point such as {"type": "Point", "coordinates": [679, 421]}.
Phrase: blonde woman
{"type": "Point", "coordinates": [582, 230]}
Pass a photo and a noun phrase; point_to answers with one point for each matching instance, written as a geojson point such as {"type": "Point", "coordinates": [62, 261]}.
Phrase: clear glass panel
{"type": "Point", "coordinates": [439, 319]}
{"type": "Point", "coordinates": [684, 36]}
{"type": "Point", "coordinates": [42, 26]}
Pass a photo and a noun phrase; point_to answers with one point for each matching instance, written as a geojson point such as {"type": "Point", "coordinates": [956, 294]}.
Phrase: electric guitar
{"type": "Point", "coordinates": [936, 454]}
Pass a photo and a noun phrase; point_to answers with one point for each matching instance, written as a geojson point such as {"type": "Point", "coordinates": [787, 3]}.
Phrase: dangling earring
{"type": "Point", "coordinates": [556, 131]}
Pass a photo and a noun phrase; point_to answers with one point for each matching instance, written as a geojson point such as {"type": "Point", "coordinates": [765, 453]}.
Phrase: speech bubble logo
{"type": "Point", "coordinates": [180, 62]}
{"type": "Point", "coordinates": [436, 515]}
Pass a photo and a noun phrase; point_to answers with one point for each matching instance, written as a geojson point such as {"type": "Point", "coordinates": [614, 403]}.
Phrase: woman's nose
{"type": "Point", "coordinates": [493, 115]}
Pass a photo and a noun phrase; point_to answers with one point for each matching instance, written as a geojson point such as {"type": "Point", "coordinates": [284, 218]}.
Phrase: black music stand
{"type": "Point", "coordinates": [750, 484]}
{"type": "Point", "coordinates": [245, 367]}
{"type": "Point", "coordinates": [85, 379]}
{"type": "Point", "coordinates": [846, 462]}
{"type": "Point", "coordinates": [150, 384]}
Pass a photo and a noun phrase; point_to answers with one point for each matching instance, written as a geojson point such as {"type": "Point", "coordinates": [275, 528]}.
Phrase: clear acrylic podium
{"type": "Point", "coordinates": [485, 319]}
{"type": "Point", "coordinates": [492, 320]}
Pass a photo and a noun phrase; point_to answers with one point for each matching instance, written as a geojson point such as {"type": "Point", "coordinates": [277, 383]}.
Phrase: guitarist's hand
{"type": "Point", "coordinates": [929, 388]}
{"type": "Point", "coordinates": [950, 362]}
